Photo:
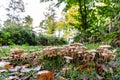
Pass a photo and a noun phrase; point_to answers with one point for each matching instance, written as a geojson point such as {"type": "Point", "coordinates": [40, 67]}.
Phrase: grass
{"type": "Point", "coordinates": [92, 45]}
{"type": "Point", "coordinates": [28, 49]}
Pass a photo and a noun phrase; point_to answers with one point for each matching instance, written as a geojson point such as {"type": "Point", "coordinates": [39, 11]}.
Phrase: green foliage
{"type": "Point", "coordinates": [93, 20]}
{"type": "Point", "coordinates": [51, 40]}
{"type": "Point", "coordinates": [92, 45]}
{"type": "Point", "coordinates": [20, 35]}
{"type": "Point", "coordinates": [49, 24]}
{"type": "Point", "coordinates": [53, 64]}
{"type": "Point", "coordinates": [17, 35]}
{"type": "Point", "coordinates": [98, 20]}
{"type": "Point", "coordinates": [28, 21]}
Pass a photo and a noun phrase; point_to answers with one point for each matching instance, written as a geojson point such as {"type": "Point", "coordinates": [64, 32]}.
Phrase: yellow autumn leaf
{"type": "Point", "coordinates": [26, 65]}
{"type": "Point", "coordinates": [7, 66]}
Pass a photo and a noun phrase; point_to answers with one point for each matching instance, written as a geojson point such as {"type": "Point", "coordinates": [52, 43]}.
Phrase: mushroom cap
{"type": "Point", "coordinates": [76, 44]}
{"type": "Point", "coordinates": [93, 50]}
{"type": "Point", "coordinates": [67, 57]}
{"type": "Point", "coordinates": [16, 50]}
{"type": "Point", "coordinates": [104, 46]}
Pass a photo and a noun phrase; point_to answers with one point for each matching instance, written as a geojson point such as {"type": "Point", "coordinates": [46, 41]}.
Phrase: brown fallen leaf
{"type": "Point", "coordinates": [81, 67]}
{"type": "Point", "coordinates": [45, 75]}
{"type": "Point", "coordinates": [8, 66]}
{"type": "Point", "coordinates": [2, 64]}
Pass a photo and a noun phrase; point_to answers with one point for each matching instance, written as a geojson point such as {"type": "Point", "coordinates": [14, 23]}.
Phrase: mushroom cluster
{"type": "Point", "coordinates": [104, 54]}
{"type": "Point", "coordinates": [18, 54]}
{"type": "Point", "coordinates": [75, 51]}
{"type": "Point", "coordinates": [50, 51]}
{"type": "Point", "coordinates": [79, 52]}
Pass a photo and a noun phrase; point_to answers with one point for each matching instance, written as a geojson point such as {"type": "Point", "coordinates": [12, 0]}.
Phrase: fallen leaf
{"type": "Point", "coordinates": [45, 75]}
{"type": "Point", "coordinates": [7, 66]}
{"type": "Point", "coordinates": [2, 64]}
{"type": "Point", "coordinates": [16, 68]}
{"type": "Point", "coordinates": [37, 68]}
{"type": "Point", "coordinates": [26, 69]}
{"type": "Point", "coordinates": [26, 65]}
{"type": "Point", "coordinates": [13, 78]}
{"type": "Point", "coordinates": [4, 70]}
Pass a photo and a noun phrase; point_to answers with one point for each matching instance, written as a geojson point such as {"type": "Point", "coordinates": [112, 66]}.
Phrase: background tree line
{"type": "Point", "coordinates": [90, 21]}
{"type": "Point", "coordinates": [83, 21]}
{"type": "Point", "coordinates": [18, 29]}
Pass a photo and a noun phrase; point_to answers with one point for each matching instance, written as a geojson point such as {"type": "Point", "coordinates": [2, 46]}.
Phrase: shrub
{"type": "Point", "coordinates": [17, 35]}
{"type": "Point", "coordinates": [51, 40]}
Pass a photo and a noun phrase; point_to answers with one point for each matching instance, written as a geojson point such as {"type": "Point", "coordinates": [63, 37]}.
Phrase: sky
{"type": "Point", "coordinates": [33, 8]}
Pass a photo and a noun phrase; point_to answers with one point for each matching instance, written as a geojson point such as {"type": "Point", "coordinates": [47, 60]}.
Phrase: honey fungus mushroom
{"type": "Point", "coordinates": [105, 54]}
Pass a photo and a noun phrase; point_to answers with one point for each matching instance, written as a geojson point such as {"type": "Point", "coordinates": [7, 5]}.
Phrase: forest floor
{"type": "Point", "coordinates": [25, 63]}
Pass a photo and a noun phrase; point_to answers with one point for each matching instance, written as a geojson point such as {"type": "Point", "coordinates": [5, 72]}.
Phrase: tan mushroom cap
{"type": "Point", "coordinates": [68, 58]}
{"type": "Point", "coordinates": [76, 44]}
{"type": "Point", "coordinates": [91, 51]}
{"type": "Point", "coordinates": [104, 46]}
